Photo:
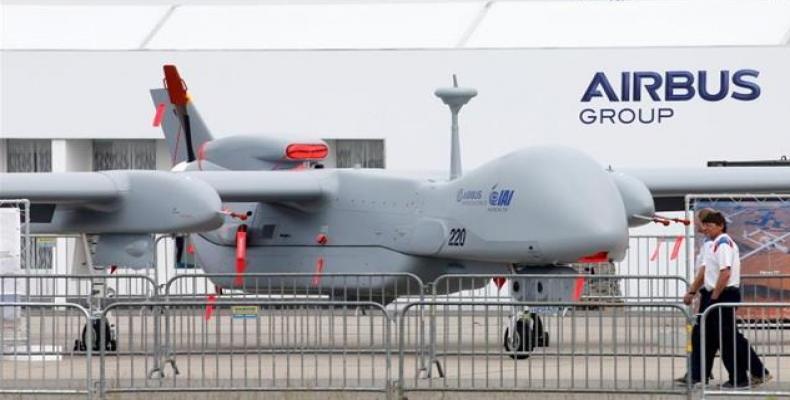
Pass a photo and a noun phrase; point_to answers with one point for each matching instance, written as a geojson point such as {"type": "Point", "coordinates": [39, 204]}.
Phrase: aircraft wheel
{"type": "Point", "coordinates": [541, 336]}
{"type": "Point", "coordinates": [522, 341]}
{"type": "Point", "coordinates": [110, 344]}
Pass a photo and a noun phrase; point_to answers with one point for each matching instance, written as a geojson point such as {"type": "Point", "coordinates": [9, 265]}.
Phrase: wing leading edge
{"type": "Point", "coordinates": [669, 186]}
{"type": "Point", "coordinates": [116, 201]}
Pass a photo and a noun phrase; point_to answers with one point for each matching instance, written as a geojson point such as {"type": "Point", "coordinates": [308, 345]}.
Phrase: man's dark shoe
{"type": "Point", "coordinates": [744, 384]}
{"type": "Point", "coordinates": [759, 380]}
{"type": "Point", "coordinates": [683, 381]}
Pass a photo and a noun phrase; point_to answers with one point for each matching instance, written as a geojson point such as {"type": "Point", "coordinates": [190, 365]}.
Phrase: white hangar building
{"type": "Point", "coordinates": [634, 83]}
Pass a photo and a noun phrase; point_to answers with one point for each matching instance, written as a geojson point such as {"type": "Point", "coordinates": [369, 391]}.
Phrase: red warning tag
{"type": "Point", "coordinates": [319, 269]}
{"type": "Point", "coordinates": [160, 113]}
{"type": "Point", "coordinates": [499, 282]}
{"type": "Point", "coordinates": [578, 289]}
{"type": "Point", "coordinates": [210, 301]}
{"type": "Point", "coordinates": [241, 255]}
{"type": "Point", "coordinates": [676, 249]}
{"type": "Point", "coordinates": [654, 256]}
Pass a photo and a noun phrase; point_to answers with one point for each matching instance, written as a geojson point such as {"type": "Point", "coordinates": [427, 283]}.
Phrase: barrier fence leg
{"type": "Point", "coordinates": [689, 350]}
{"type": "Point", "coordinates": [157, 371]}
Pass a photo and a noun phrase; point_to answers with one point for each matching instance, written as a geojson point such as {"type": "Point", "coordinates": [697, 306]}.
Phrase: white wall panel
{"type": "Point", "coordinates": [527, 97]}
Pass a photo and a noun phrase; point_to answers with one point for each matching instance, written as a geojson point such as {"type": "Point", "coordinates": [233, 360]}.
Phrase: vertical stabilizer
{"type": "Point", "coordinates": [181, 122]}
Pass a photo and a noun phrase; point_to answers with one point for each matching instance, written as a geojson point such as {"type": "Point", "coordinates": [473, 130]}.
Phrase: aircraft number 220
{"type": "Point", "coordinates": [457, 237]}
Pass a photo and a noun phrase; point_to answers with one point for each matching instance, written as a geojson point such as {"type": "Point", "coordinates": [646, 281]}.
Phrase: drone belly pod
{"type": "Point", "coordinates": [638, 202]}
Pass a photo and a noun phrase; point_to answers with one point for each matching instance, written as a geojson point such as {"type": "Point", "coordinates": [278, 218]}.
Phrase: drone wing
{"type": "Point", "coordinates": [669, 186]}
{"type": "Point", "coordinates": [62, 188]}
{"type": "Point", "coordinates": [115, 201]}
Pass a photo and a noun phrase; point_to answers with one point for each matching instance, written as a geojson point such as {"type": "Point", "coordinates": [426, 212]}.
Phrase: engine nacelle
{"type": "Point", "coordinates": [148, 202]}
{"type": "Point", "coordinates": [638, 201]}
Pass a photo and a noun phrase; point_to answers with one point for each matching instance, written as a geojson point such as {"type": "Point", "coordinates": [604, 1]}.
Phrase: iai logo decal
{"type": "Point", "coordinates": [499, 199]}
{"type": "Point", "coordinates": [666, 87]}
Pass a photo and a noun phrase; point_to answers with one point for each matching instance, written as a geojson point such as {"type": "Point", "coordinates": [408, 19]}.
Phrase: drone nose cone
{"type": "Point", "coordinates": [570, 205]}
{"type": "Point", "coordinates": [600, 234]}
{"type": "Point", "coordinates": [583, 208]}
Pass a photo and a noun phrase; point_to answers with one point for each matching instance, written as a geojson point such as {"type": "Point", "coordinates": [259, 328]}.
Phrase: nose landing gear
{"type": "Point", "coordinates": [524, 334]}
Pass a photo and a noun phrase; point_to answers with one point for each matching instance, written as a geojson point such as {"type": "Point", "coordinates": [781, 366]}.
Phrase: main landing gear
{"type": "Point", "coordinates": [98, 339]}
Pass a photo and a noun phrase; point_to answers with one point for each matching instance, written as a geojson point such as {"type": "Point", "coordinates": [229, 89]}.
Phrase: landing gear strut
{"type": "Point", "coordinates": [102, 334]}
{"type": "Point", "coordinates": [524, 334]}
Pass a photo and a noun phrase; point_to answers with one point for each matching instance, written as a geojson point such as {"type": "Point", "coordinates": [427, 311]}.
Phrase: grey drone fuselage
{"type": "Point", "coordinates": [524, 209]}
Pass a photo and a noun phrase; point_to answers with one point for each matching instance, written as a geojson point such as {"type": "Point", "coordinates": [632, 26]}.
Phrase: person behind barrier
{"type": "Point", "coordinates": [697, 286]}
{"type": "Point", "coordinates": [722, 279]}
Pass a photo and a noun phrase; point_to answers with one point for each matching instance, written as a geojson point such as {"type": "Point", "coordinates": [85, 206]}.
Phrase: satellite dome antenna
{"type": "Point", "coordinates": [455, 97]}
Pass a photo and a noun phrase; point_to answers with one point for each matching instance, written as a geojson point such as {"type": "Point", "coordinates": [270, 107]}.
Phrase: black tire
{"type": "Point", "coordinates": [545, 342]}
{"type": "Point", "coordinates": [524, 340]}
{"type": "Point", "coordinates": [109, 343]}
{"type": "Point", "coordinates": [541, 336]}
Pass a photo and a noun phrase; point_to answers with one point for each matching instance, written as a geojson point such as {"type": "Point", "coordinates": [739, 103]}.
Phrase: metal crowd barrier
{"type": "Point", "coordinates": [764, 326]}
{"type": "Point", "coordinates": [281, 345]}
{"type": "Point", "coordinates": [38, 355]}
{"type": "Point", "coordinates": [249, 345]}
{"type": "Point", "coordinates": [614, 348]}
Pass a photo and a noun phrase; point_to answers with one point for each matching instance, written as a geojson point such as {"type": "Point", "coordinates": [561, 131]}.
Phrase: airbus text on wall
{"type": "Point", "coordinates": [660, 91]}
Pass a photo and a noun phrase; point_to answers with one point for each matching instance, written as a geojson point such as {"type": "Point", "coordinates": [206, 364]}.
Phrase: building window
{"type": "Point", "coordinates": [29, 155]}
{"type": "Point", "coordinates": [124, 154]}
{"type": "Point", "coordinates": [42, 253]}
{"type": "Point", "coordinates": [352, 153]}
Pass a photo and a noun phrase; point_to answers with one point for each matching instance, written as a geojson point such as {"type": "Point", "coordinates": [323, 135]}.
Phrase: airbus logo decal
{"type": "Point", "coordinates": [467, 196]}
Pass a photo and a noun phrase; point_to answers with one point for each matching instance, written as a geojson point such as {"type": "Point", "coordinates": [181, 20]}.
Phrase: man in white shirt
{"type": "Point", "coordinates": [697, 286]}
{"type": "Point", "coordinates": [722, 276]}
